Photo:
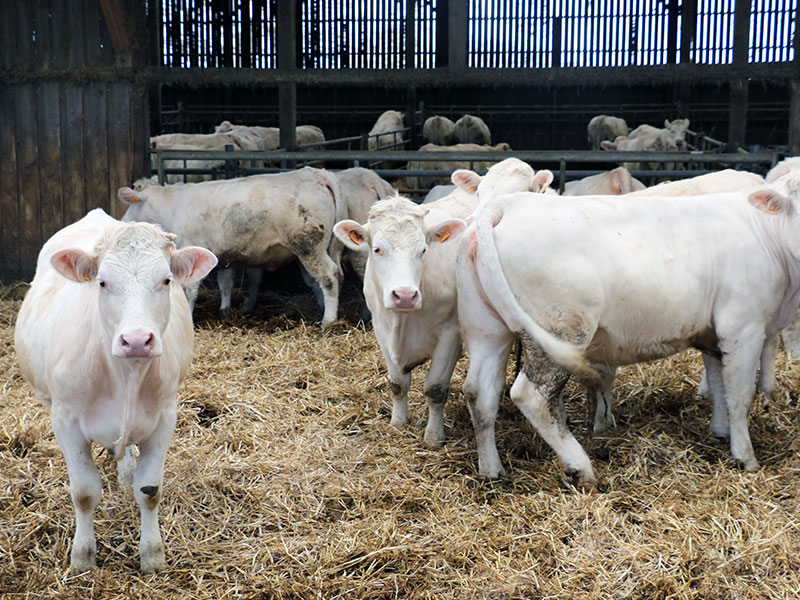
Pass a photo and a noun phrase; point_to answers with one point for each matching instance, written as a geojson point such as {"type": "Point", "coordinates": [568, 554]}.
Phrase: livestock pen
{"type": "Point", "coordinates": [285, 480]}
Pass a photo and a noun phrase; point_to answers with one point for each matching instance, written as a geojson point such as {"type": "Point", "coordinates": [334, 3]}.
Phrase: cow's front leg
{"type": "Point", "coordinates": [147, 489]}
{"type": "Point", "coordinates": [437, 383]}
{"type": "Point", "coordinates": [739, 364]}
{"type": "Point", "coordinates": [84, 485]}
{"type": "Point", "coordinates": [400, 383]}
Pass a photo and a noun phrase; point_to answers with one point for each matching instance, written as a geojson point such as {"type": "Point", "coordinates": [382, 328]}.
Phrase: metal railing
{"type": "Point", "coordinates": [689, 164]}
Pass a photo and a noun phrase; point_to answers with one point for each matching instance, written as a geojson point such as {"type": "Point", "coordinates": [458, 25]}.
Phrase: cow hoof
{"type": "Point", "coordinates": [499, 476]}
{"type": "Point", "coordinates": [434, 444]}
{"type": "Point", "coordinates": [224, 313]}
{"type": "Point", "coordinates": [83, 558]}
{"type": "Point", "coordinates": [751, 466]}
{"type": "Point", "coordinates": [152, 559]}
{"type": "Point", "coordinates": [580, 481]}
{"type": "Point", "coordinates": [725, 439]}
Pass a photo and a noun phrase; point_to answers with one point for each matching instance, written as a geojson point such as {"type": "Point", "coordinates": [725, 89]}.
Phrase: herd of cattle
{"type": "Point", "coordinates": [615, 274]}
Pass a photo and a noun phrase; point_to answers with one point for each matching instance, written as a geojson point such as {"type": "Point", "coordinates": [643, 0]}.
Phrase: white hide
{"type": "Point", "coordinates": [438, 130]}
{"type": "Point", "coordinates": [605, 128]}
{"type": "Point", "coordinates": [104, 337]}
{"type": "Point", "coordinates": [609, 183]}
{"type": "Point", "coordinates": [389, 121]}
{"type": "Point", "coordinates": [619, 282]}
{"type": "Point", "coordinates": [727, 180]}
{"type": "Point", "coordinates": [409, 287]}
{"type": "Point", "coordinates": [470, 129]}
{"type": "Point", "coordinates": [260, 221]}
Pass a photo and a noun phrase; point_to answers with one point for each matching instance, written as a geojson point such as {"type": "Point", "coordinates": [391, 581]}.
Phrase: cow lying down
{"type": "Point", "coordinates": [601, 281]}
{"type": "Point", "coordinates": [260, 221]}
{"type": "Point", "coordinates": [104, 338]}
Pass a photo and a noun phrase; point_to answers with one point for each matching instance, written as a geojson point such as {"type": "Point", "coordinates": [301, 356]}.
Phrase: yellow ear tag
{"type": "Point", "coordinates": [87, 278]}
{"type": "Point", "coordinates": [357, 239]}
{"type": "Point", "coordinates": [133, 199]}
{"type": "Point", "coordinates": [443, 236]}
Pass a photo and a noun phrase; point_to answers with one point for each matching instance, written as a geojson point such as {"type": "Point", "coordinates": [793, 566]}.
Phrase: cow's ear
{"type": "Point", "coordinates": [75, 264]}
{"type": "Point", "coordinates": [606, 145]}
{"type": "Point", "coordinates": [466, 180]}
{"type": "Point", "coordinates": [770, 201]}
{"type": "Point", "coordinates": [541, 181]}
{"type": "Point", "coordinates": [191, 263]}
{"type": "Point", "coordinates": [667, 123]}
{"type": "Point", "coordinates": [352, 234]}
{"type": "Point", "coordinates": [129, 196]}
{"type": "Point", "coordinates": [446, 230]}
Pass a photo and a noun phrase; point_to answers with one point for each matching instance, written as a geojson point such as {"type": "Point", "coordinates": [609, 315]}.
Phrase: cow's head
{"type": "Point", "coordinates": [136, 269]}
{"type": "Point", "coordinates": [138, 199]}
{"type": "Point", "coordinates": [396, 238]}
{"type": "Point", "coordinates": [506, 177]}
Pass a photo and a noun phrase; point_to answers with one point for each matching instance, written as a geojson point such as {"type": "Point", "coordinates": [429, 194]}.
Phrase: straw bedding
{"type": "Point", "coordinates": [285, 480]}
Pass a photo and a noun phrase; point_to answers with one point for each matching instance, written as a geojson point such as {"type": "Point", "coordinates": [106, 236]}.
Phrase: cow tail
{"type": "Point", "coordinates": [498, 291]}
{"type": "Point", "coordinates": [335, 247]}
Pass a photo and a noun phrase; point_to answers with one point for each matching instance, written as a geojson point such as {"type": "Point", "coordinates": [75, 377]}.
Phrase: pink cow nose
{"type": "Point", "coordinates": [405, 297]}
{"type": "Point", "coordinates": [137, 343]}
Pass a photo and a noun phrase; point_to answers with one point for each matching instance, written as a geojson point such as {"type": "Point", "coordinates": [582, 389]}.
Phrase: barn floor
{"type": "Point", "coordinates": [285, 480]}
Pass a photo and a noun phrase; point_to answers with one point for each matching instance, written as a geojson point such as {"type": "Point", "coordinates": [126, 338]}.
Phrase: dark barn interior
{"type": "Point", "coordinates": [85, 82]}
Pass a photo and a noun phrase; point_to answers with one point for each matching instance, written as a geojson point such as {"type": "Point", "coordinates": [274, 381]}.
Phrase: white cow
{"type": "Point", "coordinates": [661, 141]}
{"type": "Point", "coordinates": [605, 127]}
{"type": "Point", "coordinates": [409, 283]}
{"type": "Point", "coordinates": [617, 282]}
{"type": "Point", "coordinates": [612, 183]}
{"type": "Point", "coordinates": [727, 180]}
{"type": "Point", "coordinates": [390, 122]}
{"type": "Point", "coordinates": [675, 129]}
{"type": "Point", "coordinates": [784, 167]}
{"type": "Point", "coordinates": [470, 129]}
{"type": "Point", "coordinates": [449, 165]}
{"type": "Point", "coordinates": [360, 189]}
{"type": "Point", "coordinates": [191, 141]}
{"type": "Point", "coordinates": [439, 130]}
{"type": "Point", "coordinates": [258, 221]}
{"type": "Point", "coordinates": [413, 308]}
{"type": "Point", "coordinates": [104, 338]}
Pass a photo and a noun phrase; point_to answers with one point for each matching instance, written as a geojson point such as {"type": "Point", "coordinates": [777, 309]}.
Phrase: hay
{"type": "Point", "coordinates": [285, 480]}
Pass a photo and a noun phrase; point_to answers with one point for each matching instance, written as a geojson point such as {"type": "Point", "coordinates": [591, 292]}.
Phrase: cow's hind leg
{"type": "Point", "coordinates": [327, 273]}
{"type": "Point", "coordinates": [84, 484]}
{"type": "Point", "coordinates": [604, 415]}
{"type": "Point", "coordinates": [254, 276]}
{"type": "Point", "coordinates": [712, 386]}
{"type": "Point", "coordinates": [766, 372]}
{"type": "Point", "coordinates": [536, 393]}
{"type": "Point", "coordinates": [225, 283]}
{"type": "Point", "coordinates": [437, 383]}
{"type": "Point", "coordinates": [147, 489]}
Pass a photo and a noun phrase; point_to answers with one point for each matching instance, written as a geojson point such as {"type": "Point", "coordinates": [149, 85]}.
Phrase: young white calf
{"type": "Point", "coordinates": [104, 337]}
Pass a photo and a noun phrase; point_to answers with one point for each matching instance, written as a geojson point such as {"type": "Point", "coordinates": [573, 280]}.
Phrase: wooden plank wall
{"type": "Point", "coordinates": [70, 136]}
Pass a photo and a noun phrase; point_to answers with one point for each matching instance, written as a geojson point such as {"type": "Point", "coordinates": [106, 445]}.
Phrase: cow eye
{"type": "Point", "coordinates": [167, 281]}
{"type": "Point", "coordinates": [377, 251]}
{"type": "Point", "coordinates": [423, 251]}
{"type": "Point", "coordinates": [102, 284]}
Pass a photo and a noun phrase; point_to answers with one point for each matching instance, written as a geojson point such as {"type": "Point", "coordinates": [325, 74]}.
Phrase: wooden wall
{"type": "Point", "coordinates": [73, 121]}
